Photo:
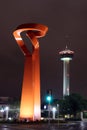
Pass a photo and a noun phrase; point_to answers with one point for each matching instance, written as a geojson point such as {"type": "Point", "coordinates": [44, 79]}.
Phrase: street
{"type": "Point", "coordinates": [70, 126]}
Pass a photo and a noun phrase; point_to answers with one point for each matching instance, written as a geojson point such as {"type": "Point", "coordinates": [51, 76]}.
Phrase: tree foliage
{"type": "Point", "coordinates": [73, 104]}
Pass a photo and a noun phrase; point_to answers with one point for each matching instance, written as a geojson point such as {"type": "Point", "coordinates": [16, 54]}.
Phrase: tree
{"type": "Point", "coordinates": [73, 104]}
{"type": "Point", "coordinates": [14, 108]}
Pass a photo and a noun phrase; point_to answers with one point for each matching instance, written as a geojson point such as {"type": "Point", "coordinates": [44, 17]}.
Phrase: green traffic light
{"type": "Point", "coordinates": [49, 98]}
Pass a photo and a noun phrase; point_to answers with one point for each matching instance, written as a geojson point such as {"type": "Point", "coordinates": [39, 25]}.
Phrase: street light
{"type": "Point", "coordinates": [54, 112]}
{"type": "Point", "coordinates": [58, 112]}
{"type": "Point", "coordinates": [6, 109]}
{"type": "Point", "coordinates": [49, 98]}
{"type": "Point", "coordinates": [45, 106]}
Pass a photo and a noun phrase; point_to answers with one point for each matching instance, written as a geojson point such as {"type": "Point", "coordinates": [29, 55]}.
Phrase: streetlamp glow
{"type": "Point", "coordinates": [54, 112]}
{"type": "Point", "coordinates": [2, 110]}
{"type": "Point", "coordinates": [45, 106]}
{"type": "Point", "coordinates": [6, 108]}
{"type": "Point", "coordinates": [54, 109]}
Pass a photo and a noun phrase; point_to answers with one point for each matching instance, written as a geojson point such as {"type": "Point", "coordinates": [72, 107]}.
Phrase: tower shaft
{"type": "Point", "coordinates": [65, 77]}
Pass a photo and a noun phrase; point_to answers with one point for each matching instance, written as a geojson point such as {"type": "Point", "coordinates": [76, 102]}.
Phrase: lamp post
{"type": "Point", "coordinates": [49, 107]}
{"type": "Point", "coordinates": [54, 112]}
{"type": "Point", "coordinates": [2, 112]}
{"type": "Point", "coordinates": [58, 113]}
{"type": "Point", "coordinates": [6, 109]}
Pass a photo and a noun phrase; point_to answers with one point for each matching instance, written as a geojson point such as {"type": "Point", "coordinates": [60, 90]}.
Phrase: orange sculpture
{"type": "Point", "coordinates": [30, 98]}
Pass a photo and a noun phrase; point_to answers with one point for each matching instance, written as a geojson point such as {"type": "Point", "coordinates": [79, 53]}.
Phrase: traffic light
{"type": "Point", "coordinates": [49, 96]}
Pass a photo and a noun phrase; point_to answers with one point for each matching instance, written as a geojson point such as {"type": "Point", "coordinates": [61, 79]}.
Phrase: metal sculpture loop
{"type": "Point", "coordinates": [30, 97]}
{"type": "Point", "coordinates": [33, 31]}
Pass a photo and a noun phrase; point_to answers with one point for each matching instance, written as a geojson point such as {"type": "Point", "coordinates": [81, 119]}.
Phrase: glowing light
{"type": "Point", "coordinates": [66, 58]}
{"type": "Point", "coordinates": [54, 109]}
{"type": "Point", "coordinates": [10, 118]}
{"type": "Point", "coordinates": [2, 110]}
{"type": "Point", "coordinates": [49, 98]}
{"type": "Point", "coordinates": [45, 106]}
{"type": "Point", "coordinates": [6, 108]}
{"type": "Point", "coordinates": [18, 38]}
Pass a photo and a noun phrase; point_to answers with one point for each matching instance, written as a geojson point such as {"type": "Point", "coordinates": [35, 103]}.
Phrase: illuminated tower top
{"type": "Point", "coordinates": [66, 54]}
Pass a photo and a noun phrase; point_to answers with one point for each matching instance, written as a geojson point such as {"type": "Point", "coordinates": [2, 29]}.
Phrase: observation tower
{"type": "Point", "coordinates": [66, 55]}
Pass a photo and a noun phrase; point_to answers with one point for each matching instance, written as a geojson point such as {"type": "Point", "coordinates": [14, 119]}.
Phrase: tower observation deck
{"type": "Point", "coordinates": [66, 55]}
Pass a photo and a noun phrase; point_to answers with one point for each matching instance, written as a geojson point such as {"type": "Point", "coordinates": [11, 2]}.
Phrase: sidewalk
{"type": "Point", "coordinates": [45, 126]}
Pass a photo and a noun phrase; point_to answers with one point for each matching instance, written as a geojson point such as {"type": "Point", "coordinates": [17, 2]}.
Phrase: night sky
{"type": "Point", "coordinates": [67, 23]}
